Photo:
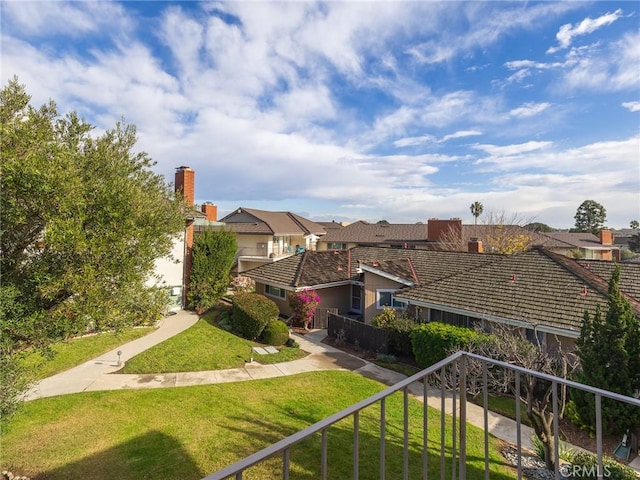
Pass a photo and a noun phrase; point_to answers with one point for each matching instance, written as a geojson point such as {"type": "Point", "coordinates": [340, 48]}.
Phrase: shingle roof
{"type": "Point", "coordinates": [536, 287]}
{"type": "Point", "coordinates": [576, 239]}
{"type": "Point", "coordinates": [275, 223]}
{"type": "Point", "coordinates": [313, 268]}
{"type": "Point", "coordinates": [629, 274]}
{"type": "Point", "coordinates": [372, 233]}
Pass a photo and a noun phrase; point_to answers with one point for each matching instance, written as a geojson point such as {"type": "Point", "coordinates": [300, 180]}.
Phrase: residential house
{"type": "Point", "coordinates": [436, 234]}
{"type": "Point", "coordinates": [583, 245]}
{"type": "Point", "coordinates": [392, 235]}
{"type": "Point", "coordinates": [264, 236]}
{"type": "Point", "coordinates": [544, 293]}
{"type": "Point", "coordinates": [172, 271]}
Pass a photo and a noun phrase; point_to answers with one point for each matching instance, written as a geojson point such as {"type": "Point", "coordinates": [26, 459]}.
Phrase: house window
{"type": "Point", "coordinates": [385, 299]}
{"type": "Point", "coordinates": [337, 246]}
{"type": "Point", "coordinates": [356, 298]}
{"type": "Point", "coordinates": [275, 291]}
{"type": "Point", "coordinates": [531, 335]}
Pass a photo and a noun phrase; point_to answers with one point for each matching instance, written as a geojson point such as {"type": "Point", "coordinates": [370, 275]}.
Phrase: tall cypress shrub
{"type": "Point", "coordinates": [213, 255]}
{"type": "Point", "coordinates": [609, 351]}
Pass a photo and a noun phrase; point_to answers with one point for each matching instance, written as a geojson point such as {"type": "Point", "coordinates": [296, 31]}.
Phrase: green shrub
{"type": "Point", "coordinates": [434, 341]}
{"type": "Point", "coordinates": [585, 465]}
{"type": "Point", "coordinates": [399, 330]}
{"type": "Point", "coordinates": [275, 333]}
{"type": "Point", "coordinates": [565, 452]}
{"type": "Point", "coordinates": [386, 358]}
{"type": "Point", "coordinates": [251, 313]}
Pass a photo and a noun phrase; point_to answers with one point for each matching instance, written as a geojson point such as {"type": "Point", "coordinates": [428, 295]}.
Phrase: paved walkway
{"type": "Point", "coordinates": [99, 374]}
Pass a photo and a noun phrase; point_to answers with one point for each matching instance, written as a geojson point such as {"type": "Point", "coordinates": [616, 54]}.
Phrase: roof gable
{"type": "Point", "coordinates": [251, 220]}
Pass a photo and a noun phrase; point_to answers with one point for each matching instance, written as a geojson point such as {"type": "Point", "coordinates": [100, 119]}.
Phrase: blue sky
{"type": "Point", "coordinates": [343, 111]}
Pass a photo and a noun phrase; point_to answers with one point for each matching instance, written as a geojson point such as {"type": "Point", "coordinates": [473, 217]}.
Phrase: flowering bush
{"type": "Point", "coordinates": [242, 284]}
{"type": "Point", "coordinates": [303, 304]}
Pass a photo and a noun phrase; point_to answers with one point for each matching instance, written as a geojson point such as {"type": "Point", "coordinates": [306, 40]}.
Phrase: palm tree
{"type": "Point", "coordinates": [476, 210]}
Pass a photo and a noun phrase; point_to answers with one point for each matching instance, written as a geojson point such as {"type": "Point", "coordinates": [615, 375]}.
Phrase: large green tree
{"type": "Point", "coordinates": [213, 256]}
{"type": "Point", "coordinates": [609, 351]}
{"type": "Point", "coordinates": [82, 219]}
{"type": "Point", "coordinates": [590, 217]}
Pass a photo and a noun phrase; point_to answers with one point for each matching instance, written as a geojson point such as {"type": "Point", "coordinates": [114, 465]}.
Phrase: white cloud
{"type": "Point", "coordinates": [614, 68]}
{"type": "Point", "coordinates": [460, 134]}
{"type": "Point", "coordinates": [66, 18]}
{"type": "Point", "coordinates": [413, 141]}
{"type": "Point", "coordinates": [632, 106]}
{"type": "Point", "coordinates": [529, 109]}
{"type": "Point", "coordinates": [568, 32]}
{"type": "Point", "coordinates": [498, 151]}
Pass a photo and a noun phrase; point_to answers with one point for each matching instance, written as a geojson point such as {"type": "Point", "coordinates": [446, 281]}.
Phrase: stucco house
{"type": "Point", "coordinates": [583, 245]}
{"type": "Point", "coordinates": [543, 292]}
{"type": "Point", "coordinates": [264, 236]}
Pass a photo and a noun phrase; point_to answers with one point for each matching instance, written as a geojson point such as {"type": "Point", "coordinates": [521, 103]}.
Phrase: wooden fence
{"type": "Point", "coordinates": [357, 333]}
{"type": "Point", "coordinates": [320, 319]}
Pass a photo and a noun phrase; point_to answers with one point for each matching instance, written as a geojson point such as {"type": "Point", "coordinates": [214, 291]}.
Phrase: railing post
{"type": "Point", "coordinates": [405, 453]}
{"type": "Point", "coordinates": [518, 425]}
{"type": "Point", "coordinates": [285, 464]}
{"type": "Point", "coordinates": [454, 418]}
{"type": "Point", "coordinates": [485, 403]}
{"type": "Point", "coordinates": [356, 445]}
{"type": "Point", "coordinates": [383, 433]}
{"type": "Point", "coordinates": [556, 432]}
{"type": "Point", "coordinates": [323, 455]}
{"type": "Point", "coordinates": [599, 434]}
{"type": "Point", "coordinates": [463, 417]}
{"type": "Point", "coordinates": [442, 422]}
{"type": "Point", "coordinates": [425, 428]}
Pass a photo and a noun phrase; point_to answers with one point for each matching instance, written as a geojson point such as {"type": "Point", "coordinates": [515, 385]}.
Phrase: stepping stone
{"type": "Point", "coordinates": [271, 349]}
{"type": "Point", "coordinates": [260, 351]}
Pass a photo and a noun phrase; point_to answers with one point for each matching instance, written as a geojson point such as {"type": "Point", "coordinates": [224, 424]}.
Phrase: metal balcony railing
{"type": "Point", "coordinates": [452, 451]}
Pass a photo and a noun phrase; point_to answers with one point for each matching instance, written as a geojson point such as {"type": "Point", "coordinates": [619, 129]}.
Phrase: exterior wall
{"type": "Point", "coordinates": [323, 246]}
{"type": "Point", "coordinates": [244, 265]}
{"type": "Point", "coordinates": [336, 297]}
{"type": "Point", "coordinates": [372, 283]}
{"type": "Point", "coordinates": [250, 244]}
{"type": "Point", "coordinates": [333, 297]}
{"type": "Point", "coordinates": [168, 273]}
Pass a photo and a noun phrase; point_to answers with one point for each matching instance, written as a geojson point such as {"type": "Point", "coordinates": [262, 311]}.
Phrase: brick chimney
{"type": "Point", "coordinates": [211, 211]}
{"type": "Point", "coordinates": [438, 230]}
{"type": "Point", "coordinates": [185, 183]}
{"type": "Point", "coordinates": [606, 237]}
{"type": "Point", "coordinates": [475, 245]}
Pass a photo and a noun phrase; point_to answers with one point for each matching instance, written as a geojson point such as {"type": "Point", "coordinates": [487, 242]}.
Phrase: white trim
{"type": "Point", "coordinates": [391, 291]}
{"type": "Point", "coordinates": [389, 276]}
{"type": "Point", "coordinates": [494, 318]}
{"type": "Point", "coordinates": [284, 291]}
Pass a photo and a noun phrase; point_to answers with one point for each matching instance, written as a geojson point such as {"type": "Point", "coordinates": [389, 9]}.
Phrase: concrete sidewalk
{"type": "Point", "coordinates": [99, 374]}
{"type": "Point", "coordinates": [90, 375]}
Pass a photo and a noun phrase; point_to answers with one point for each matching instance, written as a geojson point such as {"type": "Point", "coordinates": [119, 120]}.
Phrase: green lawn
{"type": "Point", "coordinates": [190, 432]}
{"type": "Point", "coordinates": [68, 354]}
{"type": "Point", "coordinates": [204, 346]}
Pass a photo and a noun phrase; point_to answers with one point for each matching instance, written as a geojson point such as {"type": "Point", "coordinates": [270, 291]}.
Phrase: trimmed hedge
{"type": "Point", "coordinates": [434, 341]}
{"type": "Point", "coordinates": [251, 313]}
{"type": "Point", "coordinates": [276, 333]}
{"type": "Point", "coordinates": [399, 330]}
